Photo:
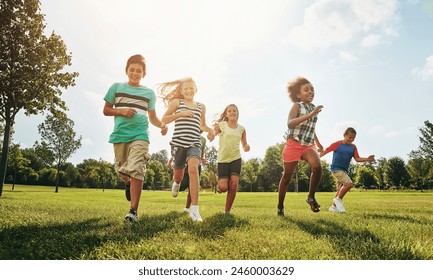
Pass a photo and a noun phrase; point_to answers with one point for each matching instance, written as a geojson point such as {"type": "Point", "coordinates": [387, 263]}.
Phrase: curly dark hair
{"type": "Point", "coordinates": [294, 87]}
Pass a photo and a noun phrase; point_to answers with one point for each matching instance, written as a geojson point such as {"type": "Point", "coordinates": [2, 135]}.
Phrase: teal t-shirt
{"type": "Point", "coordinates": [142, 99]}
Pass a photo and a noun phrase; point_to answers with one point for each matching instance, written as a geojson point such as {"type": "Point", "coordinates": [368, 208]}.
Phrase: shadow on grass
{"type": "Point", "coordinates": [217, 225]}
{"type": "Point", "coordinates": [393, 217]}
{"type": "Point", "coordinates": [356, 245]}
{"type": "Point", "coordinates": [149, 226]}
{"type": "Point", "coordinates": [51, 242]}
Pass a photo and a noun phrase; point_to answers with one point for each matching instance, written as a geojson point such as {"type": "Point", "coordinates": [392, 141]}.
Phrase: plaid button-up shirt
{"type": "Point", "coordinates": [304, 132]}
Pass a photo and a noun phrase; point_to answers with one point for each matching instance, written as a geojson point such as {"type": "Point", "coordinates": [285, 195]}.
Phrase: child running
{"type": "Point", "coordinates": [301, 137]}
{"type": "Point", "coordinates": [229, 156]}
{"type": "Point", "coordinates": [132, 106]}
{"type": "Point", "coordinates": [343, 150]}
{"type": "Point", "coordinates": [184, 184]}
{"type": "Point", "coordinates": [189, 119]}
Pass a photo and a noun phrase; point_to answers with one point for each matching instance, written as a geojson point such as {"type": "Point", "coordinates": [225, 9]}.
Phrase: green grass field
{"type": "Point", "coordinates": [38, 224]}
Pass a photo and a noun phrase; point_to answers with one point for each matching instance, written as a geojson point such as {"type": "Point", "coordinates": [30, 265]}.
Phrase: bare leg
{"type": "Point", "coordinates": [193, 180]}
{"type": "Point", "coordinates": [313, 159]}
{"type": "Point", "coordinates": [136, 188]}
{"type": "Point", "coordinates": [231, 195]}
{"type": "Point", "coordinates": [289, 168]}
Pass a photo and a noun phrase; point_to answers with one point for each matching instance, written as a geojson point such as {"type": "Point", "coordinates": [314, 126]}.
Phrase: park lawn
{"type": "Point", "coordinates": [37, 224]}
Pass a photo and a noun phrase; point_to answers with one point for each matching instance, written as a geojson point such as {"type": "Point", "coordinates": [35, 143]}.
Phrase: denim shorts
{"type": "Point", "coordinates": [180, 155]}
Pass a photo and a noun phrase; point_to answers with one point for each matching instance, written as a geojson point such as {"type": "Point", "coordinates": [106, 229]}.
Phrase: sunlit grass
{"type": "Point", "coordinates": [36, 223]}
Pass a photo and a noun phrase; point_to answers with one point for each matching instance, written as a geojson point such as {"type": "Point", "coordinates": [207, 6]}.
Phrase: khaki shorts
{"type": "Point", "coordinates": [342, 177]}
{"type": "Point", "coordinates": [131, 158]}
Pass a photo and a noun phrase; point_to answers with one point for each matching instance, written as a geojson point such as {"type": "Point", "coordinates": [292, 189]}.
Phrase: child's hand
{"type": "Point", "coordinates": [247, 148]}
{"type": "Point", "coordinates": [127, 113]}
{"type": "Point", "coordinates": [371, 158]}
{"type": "Point", "coordinates": [210, 135]}
{"type": "Point", "coordinates": [317, 110]}
{"type": "Point", "coordinates": [164, 129]}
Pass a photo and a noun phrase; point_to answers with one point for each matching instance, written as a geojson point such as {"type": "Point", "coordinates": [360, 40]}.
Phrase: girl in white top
{"type": "Point", "coordinates": [231, 134]}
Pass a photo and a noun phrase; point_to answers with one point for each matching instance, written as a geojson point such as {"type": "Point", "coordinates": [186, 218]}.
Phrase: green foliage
{"type": "Point", "coordinates": [78, 224]}
{"type": "Point", "coordinates": [420, 170]}
{"type": "Point", "coordinates": [395, 173]}
{"type": "Point", "coordinates": [31, 64]}
{"type": "Point", "coordinates": [426, 140]}
{"type": "Point", "coordinates": [365, 176]}
{"type": "Point", "coordinates": [271, 169]}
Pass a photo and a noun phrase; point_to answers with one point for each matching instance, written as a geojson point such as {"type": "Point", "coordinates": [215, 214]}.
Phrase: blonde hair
{"type": "Point", "coordinates": [169, 91]}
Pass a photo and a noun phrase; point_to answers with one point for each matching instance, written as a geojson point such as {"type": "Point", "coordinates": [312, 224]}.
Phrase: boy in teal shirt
{"type": "Point", "coordinates": [132, 106]}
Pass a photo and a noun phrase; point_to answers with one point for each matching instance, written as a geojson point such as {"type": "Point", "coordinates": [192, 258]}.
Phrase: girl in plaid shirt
{"type": "Point", "coordinates": [301, 141]}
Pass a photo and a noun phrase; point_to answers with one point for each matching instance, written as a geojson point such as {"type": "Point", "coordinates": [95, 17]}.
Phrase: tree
{"type": "Point", "coordinates": [16, 161]}
{"type": "Point", "coordinates": [420, 170]}
{"type": "Point", "coordinates": [380, 171]}
{"type": "Point", "coordinates": [248, 179]}
{"type": "Point", "coordinates": [395, 173]}
{"type": "Point", "coordinates": [161, 156]}
{"type": "Point", "coordinates": [31, 65]}
{"type": "Point", "coordinates": [365, 176]}
{"type": "Point", "coordinates": [426, 139]}
{"type": "Point", "coordinates": [271, 169]}
{"type": "Point", "coordinates": [58, 136]}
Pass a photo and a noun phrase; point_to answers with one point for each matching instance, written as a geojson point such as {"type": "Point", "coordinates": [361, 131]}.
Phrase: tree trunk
{"type": "Point", "coordinates": [5, 151]}
{"type": "Point", "coordinates": [58, 176]}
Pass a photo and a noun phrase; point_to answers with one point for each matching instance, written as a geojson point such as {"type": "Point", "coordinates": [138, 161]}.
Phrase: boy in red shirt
{"type": "Point", "coordinates": [343, 150]}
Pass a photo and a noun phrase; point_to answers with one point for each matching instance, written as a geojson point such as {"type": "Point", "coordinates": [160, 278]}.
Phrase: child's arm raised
{"type": "Point", "coordinates": [171, 115]}
{"type": "Point", "coordinates": [294, 121]}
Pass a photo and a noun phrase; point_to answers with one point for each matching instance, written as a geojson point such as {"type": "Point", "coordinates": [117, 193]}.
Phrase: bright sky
{"type": "Point", "coordinates": [370, 61]}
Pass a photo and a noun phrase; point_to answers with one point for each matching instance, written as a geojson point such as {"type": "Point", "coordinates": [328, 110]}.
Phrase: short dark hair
{"type": "Point", "coordinates": [139, 59]}
{"type": "Point", "coordinates": [350, 130]}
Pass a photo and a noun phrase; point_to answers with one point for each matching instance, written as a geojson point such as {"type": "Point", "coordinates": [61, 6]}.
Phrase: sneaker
{"type": "Point", "coordinates": [332, 209]}
{"type": "Point", "coordinates": [314, 205]}
{"type": "Point", "coordinates": [281, 212]}
{"type": "Point", "coordinates": [339, 205]}
{"type": "Point", "coordinates": [186, 210]}
{"type": "Point", "coordinates": [128, 191]}
{"type": "Point", "coordinates": [195, 217]}
{"type": "Point", "coordinates": [132, 216]}
{"type": "Point", "coordinates": [175, 189]}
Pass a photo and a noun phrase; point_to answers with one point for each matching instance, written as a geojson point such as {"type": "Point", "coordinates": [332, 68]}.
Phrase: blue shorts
{"type": "Point", "coordinates": [180, 155]}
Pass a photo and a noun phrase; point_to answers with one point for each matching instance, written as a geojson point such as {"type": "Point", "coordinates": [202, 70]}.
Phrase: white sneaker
{"type": "Point", "coordinates": [332, 209]}
{"type": "Point", "coordinates": [186, 210]}
{"type": "Point", "coordinates": [339, 205]}
{"type": "Point", "coordinates": [195, 217]}
{"type": "Point", "coordinates": [175, 189]}
{"type": "Point", "coordinates": [132, 216]}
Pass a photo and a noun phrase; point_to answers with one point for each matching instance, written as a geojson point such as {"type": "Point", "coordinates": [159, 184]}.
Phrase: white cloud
{"type": "Point", "coordinates": [335, 22]}
{"type": "Point", "coordinates": [425, 72]}
{"type": "Point", "coordinates": [371, 40]}
{"type": "Point", "coordinates": [346, 56]}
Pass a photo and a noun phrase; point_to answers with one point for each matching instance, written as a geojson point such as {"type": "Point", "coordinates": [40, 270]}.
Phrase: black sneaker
{"type": "Point", "coordinates": [132, 216]}
{"type": "Point", "coordinates": [314, 205]}
{"type": "Point", "coordinates": [281, 212]}
{"type": "Point", "coordinates": [128, 191]}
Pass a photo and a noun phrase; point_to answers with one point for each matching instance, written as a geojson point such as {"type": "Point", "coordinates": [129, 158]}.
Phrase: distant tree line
{"type": "Point", "coordinates": [36, 166]}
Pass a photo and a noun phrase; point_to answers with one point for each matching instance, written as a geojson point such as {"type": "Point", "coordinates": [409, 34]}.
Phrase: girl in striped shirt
{"type": "Point", "coordinates": [189, 119]}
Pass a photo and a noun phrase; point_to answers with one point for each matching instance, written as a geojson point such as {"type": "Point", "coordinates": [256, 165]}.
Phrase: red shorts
{"type": "Point", "coordinates": [293, 150]}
